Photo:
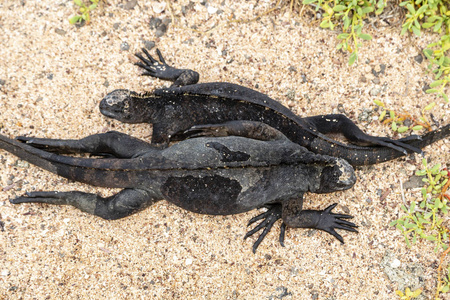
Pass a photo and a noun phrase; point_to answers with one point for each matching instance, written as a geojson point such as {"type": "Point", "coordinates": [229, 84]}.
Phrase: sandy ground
{"type": "Point", "coordinates": [54, 76]}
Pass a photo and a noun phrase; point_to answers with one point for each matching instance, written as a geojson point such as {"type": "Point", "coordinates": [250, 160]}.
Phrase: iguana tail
{"type": "Point", "coordinates": [92, 171]}
{"type": "Point", "coordinates": [359, 156]}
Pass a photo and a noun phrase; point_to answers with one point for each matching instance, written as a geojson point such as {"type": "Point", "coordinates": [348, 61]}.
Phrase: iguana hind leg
{"type": "Point", "coordinates": [337, 123]}
{"type": "Point", "coordinates": [249, 129]}
{"type": "Point", "coordinates": [111, 143]}
{"type": "Point", "coordinates": [294, 216]}
{"type": "Point", "coordinates": [120, 205]}
{"type": "Point", "coordinates": [269, 218]}
{"type": "Point", "coordinates": [161, 70]}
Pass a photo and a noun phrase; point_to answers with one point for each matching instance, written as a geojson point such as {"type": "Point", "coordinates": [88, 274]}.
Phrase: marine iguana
{"type": "Point", "coordinates": [186, 103]}
{"type": "Point", "coordinates": [252, 165]}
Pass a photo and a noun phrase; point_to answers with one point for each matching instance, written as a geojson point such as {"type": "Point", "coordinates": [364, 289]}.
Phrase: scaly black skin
{"type": "Point", "coordinates": [206, 175]}
{"type": "Point", "coordinates": [186, 103]}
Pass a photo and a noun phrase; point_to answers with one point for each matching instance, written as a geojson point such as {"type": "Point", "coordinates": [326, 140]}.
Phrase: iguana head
{"type": "Point", "coordinates": [337, 176]}
{"type": "Point", "coordinates": [125, 106]}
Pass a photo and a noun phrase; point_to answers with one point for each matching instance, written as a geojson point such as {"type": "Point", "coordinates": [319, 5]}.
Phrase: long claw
{"type": "Point", "coordinates": [149, 56]}
{"type": "Point", "coordinates": [282, 233]}
{"type": "Point", "coordinates": [257, 218]}
{"type": "Point", "coordinates": [269, 218]}
{"type": "Point", "coordinates": [161, 58]}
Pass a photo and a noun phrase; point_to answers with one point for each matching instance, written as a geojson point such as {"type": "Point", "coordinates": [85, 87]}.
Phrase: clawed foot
{"type": "Point", "coordinates": [160, 69]}
{"type": "Point", "coordinates": [40, 197]}
{"type": "Point", "coordinates": [400, 145]}
{"type": "Point", "coordinates": [329, 221]}
{"type": "Point", "coordinates": [209, 130]}
{"type": "Point", "coordinates": [49, 145]}
{"type": "Point", "coordinates": [154, 68]}
{"type": "Point", "coordinates": [272, 215]}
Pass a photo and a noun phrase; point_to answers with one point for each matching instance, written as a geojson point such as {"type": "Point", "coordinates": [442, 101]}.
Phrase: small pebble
{"type": "Point", "coordinates": [60, 31]}
{"type": "Point", "coordinates": [418, 58]}
{"type": "Point", "coordinates": [149, 45]}
{"type": "Point", "coordinates": [130, 4]}
{"type": "Point", "coordinates": [124, 46]}
{"type": "Point", "coordinates": [154, 22]}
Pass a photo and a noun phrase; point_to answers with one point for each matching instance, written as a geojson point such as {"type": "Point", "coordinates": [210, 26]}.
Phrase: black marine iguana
{"type": "Point", "coordinates": [255, 166]}
{"type": "Point", "coordinates": [186, 103]}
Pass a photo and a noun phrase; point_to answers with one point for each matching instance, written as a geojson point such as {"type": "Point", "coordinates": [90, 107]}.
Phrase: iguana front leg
{"type": "Point", "coordinates": [112, 143]}
{"type": "Point", "coordinates": [120, 205]}
{"type": "Point", "coordinates": [294, 216]}
{"type": "Point", "coordinates": [161, 70]}
{"type": "Point", "coordinates": [337, 123]}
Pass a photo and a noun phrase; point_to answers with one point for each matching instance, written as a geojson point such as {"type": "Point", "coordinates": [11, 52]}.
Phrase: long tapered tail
{"type": "Point", "coordinates": [360, 156]}
{"type": "Point", "coordinates": [88, 170]}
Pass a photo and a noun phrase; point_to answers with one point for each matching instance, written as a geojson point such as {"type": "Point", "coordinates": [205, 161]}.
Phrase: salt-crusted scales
{"type": "Point", "coordinates": [54, 82]}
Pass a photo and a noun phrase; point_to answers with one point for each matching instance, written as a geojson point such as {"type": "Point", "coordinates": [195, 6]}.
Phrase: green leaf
{"type": "Point", "coordinates": [404, 29]}
{"type": "Point", "coordinates": [353, 58]}
{"type": "Point", "coordinates": [365, 36]}
{"type": "Point", "coordinates": [402, 129]}
{"type": "Point", "coordinates": [359, 11]}
{"type": "Point", "coordinates": [416, 30]}
{"type": "Point", "coordinates": [429, 91]}
{"type": "Point", "coordinates": [74, 19]}
{"type": "Point", "coordinates": [428, 215]}
{"type": "Point", "coordinates": [427, 25]}
{"type": "Point", "coordinates": [445, 97]}
{"type": "Point", "coordinates": [431, 238]}
{"type": "Point", "coordinates": [309, 1]}
{"type": "Point", "coordinates": [391, 114]}
{"type": "Point", "coordinates": [422, 9]}
{"type": "Point", "coordinates": [412, 207]}
{"type": "Point", "coordinates": [417, 127]}
{"type": "Point", "coordinates": [78, 2]}
{"type": "Point", "coordinates": [339, 7]}
{"type": "Point", "coordinates": [428, 53]}
{"type": "Point", "coordinates": [435, 168]}
{"type": "Point", "coordinates": [92, 6]}
{"type": "Point", "coordinates": [421, 173]}
{"type": "Point", "coordinates": [438, 26]}
{"type": "Point", "coordinates": [325, 24]}
{"type": "Point", "coordinates": [378, 102]}
{"type": "Point", "coordinates": [346, 22]}
{"type": "Point", "coordinates": [394, 126]}
{"type": "Point", "coordinates": [430, 106]}
{"type": "Point", "coordinates": [433, 18]}
{"type": "Point", "coordinates": [343, 36]}
{"type": "Point", "coordinates": [367, 9]}
{"type": "Point", "coordinates": [436, 83]}
{"type": "Point", "coordinates": [410, 225]}
{"type": "Point", "coordinates": [382, 115]}
{"type": "Point", "coordinates": [410, 8]}
{"type": "Point", "coordinates": [379, 11]}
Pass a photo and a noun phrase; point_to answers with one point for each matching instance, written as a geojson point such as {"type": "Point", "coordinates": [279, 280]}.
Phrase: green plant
{"type": "Point", "coordinates": [84, 11]}
{"type": "Point", "coordinates": [438, 18]}
{"type": "Point", "coordinates": [421, 14]}
{"type": "Point", "coordinates": [350, 14]}
{"type": "Point", "coordinates": [408, 294]}
{"type": "Point", "coordinates": [424, 219]}
{"type": "Point", "coordinates": [397, 119]}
